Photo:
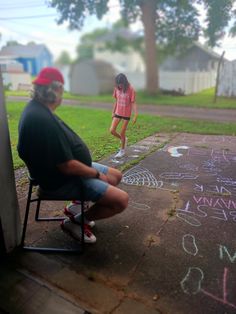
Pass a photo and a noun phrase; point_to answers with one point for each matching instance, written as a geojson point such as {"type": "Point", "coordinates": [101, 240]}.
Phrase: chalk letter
{"type": "Point", "coordinates": [224, 249]}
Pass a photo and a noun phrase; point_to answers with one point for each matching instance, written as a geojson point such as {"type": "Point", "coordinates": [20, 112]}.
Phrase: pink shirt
{"type": "Point", "coordinates": [124, 101]}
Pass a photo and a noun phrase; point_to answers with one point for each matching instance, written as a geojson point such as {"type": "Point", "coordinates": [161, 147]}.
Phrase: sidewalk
{"type": "Point", "coordinates": [172, 250]}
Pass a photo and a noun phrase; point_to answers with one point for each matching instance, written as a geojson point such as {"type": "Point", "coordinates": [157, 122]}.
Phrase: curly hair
{"type": "Point", "coordinates": [46, 94]}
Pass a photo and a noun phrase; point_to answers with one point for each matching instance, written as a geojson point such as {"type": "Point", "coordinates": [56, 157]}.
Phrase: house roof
{"type": "Point", "coordinates": [26, 51]}
{"type": "Point", "coordinates": [207, 49]}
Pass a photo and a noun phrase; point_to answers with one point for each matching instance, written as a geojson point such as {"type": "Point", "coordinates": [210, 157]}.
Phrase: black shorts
{"type": "Point", "coordinates": [121, 117]}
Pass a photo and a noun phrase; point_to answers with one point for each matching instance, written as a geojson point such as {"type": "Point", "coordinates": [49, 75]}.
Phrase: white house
{"type": "Point", "coordinates": [13, 74]}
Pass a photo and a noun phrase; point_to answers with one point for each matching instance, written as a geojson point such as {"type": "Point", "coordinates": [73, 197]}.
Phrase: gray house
{"type": "Point", "coordinates": [92, 77]}
{"type": "Point", "coordinates": [33, 57]}
{"type": "Point", "coordinates": [190, 71]}
{"type": "Point", "coordinates": [195, 58]}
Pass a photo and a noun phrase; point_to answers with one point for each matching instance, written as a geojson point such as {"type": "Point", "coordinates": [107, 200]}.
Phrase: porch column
{"type": "Point", "coordinates": [9, 209]}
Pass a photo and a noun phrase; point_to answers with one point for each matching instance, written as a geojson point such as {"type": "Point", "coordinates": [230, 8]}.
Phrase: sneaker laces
{"type": "Point", "coordinates": [87, 230]}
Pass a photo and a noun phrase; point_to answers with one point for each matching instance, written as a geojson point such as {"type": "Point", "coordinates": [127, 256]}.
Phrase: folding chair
{"type": "Point", "coordinates": [46, 197]}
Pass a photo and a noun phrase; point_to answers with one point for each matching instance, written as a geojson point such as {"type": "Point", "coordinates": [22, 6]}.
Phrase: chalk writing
{"type": "Point", "coordinates": [140, 147]}
{"type": "Point", "coordinates": [215, 202]}
{"type": "Point", "coordinates": [139, 205]}
{"type": "Point", "coordinates": [212, 189]}
{"type": "Point", "coordinates": [115, 161]}
{"type": "Point", "coordinates": [224, 292]}
{"type": "Point", "coordinates": [205, 211]}
{"type": "Point", "coordinates": [210, 167]}
{"type": "Point", "coordinates": [226, 181]}
{"type": "Point", "coordinates": [189, 219]}
{"type": "Point", "coordinates": [178, 176]}
{"type": "Point", "coordinates": [224, 249]}
{"type": "Point", "coordinates": [191, 283]}
{"type": "Point", "coordinates": [189, 244]}
{"type": "Point", "coordinates": [189, 167]}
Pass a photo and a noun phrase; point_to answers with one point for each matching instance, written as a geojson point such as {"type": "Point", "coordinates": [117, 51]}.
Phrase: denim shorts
{"type": "Point", "coordinates": [94, 188]}
{"type": "Point", "coordinates": [79, 188]}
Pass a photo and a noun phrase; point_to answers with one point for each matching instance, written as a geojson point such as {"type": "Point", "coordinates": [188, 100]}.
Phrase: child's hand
{"type": "Point", "coordinates": [134, 119]}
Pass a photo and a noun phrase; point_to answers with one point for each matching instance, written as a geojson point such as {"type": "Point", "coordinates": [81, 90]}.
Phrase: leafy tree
{"type": "Point", "coordinates": [85, 48]}
{"type": "Point", "coordinates": [64, 58]}
{"type": "Point", "coordinates": [117, 42]}
{"type": "Point", "coordinates": [166, 21]}
{"type": "Point", "coordinates": [12, 43]}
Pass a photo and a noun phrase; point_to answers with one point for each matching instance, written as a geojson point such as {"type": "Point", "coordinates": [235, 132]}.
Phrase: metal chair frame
{"type": "Point", "coordinates": [39, 199]}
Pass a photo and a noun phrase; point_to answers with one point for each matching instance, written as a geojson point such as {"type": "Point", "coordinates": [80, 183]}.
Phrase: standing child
{"type": "Point", "coordinates": [122, 110]}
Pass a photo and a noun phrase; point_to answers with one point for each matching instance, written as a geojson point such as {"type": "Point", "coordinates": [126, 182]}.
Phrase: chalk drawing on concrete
{"type": "Point", "coordinates": [189, 219]}
{"type": "Point", "coordinates": [224, 298]}
{"type": "Point", "coordinates": [178, 176]}
{"type": "Point", "coordinates": [140, 147]}
{"type": "Point", "coordinates": [142, 177]}
{"type": "Point", "coordinates": [116, 161]}
{"type": "Point", "coordinates": [139, 206]}
{"type": "Point", "coordinates": [189, 244]}
{"type": "Point", "coordinates": [174, 150]}
{"type": "Point", "coordinates": [189, 167]}
{"type": "Point", "coordinates": [223, 249]}
{"type": "Point", "coordinates": [191, 283]}
{"type": "Point", "coordinates": [226, 181]}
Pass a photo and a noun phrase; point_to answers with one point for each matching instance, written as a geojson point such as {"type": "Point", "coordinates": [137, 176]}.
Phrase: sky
{"type": "Point", "coordinates": [32, 20]}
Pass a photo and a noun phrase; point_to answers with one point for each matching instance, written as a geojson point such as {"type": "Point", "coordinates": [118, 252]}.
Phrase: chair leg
{"type": "Point", "coordinates": [82, 223]}
{"type": "Point", "coordinates": [47, 249]}
{"type": "Point", "coordinates": [26, 214]}
{"type": "Point", "coordinates": [37, 218]}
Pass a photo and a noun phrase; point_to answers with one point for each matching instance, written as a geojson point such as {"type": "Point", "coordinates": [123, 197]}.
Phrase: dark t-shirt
{"type": "Point", "coordinates": [45, 141]}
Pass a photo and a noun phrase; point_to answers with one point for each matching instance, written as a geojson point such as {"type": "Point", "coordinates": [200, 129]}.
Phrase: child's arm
{"type": "Point", "coordinates": [114, 109]}
{"type": "Point", "coordinates": [135, 111]}
{"type": "Point", "coordinates": [115, 103]}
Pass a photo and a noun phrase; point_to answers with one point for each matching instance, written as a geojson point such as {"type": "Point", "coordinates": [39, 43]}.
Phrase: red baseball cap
{"type": "Point", "coordinates": [47, 75]}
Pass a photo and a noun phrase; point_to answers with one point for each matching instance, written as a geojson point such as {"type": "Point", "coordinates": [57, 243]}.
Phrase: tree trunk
{"type": "Point", "coordinates": [149, 17]}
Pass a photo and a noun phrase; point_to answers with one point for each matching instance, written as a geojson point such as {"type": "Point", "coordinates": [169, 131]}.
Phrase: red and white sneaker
{"type": "Point", "coordinates": [75, 231]}
{"type": "Point", "coordinates": [73, 211]}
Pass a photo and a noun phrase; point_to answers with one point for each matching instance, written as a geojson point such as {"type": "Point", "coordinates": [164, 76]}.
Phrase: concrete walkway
{"type": "Point", "coordinates": [172, 250]}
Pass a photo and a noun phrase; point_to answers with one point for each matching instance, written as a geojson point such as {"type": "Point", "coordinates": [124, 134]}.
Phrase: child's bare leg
{"type": "Point", "coordinates": [123, 132]}
{"type": "Point", "coordinates": [113, 127]}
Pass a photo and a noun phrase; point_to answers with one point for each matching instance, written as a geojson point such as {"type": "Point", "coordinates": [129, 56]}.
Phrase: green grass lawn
{"type": "Point", "coordinates": [93, 126]}
{"type": "Point", "coordinates": [202, 99]}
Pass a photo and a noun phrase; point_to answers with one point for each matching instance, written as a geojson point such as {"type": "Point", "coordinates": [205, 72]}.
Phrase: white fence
{"type": "Point", "coordinates": [185, 82]}
{"type": "Point", "coordinates": [227, 80]}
